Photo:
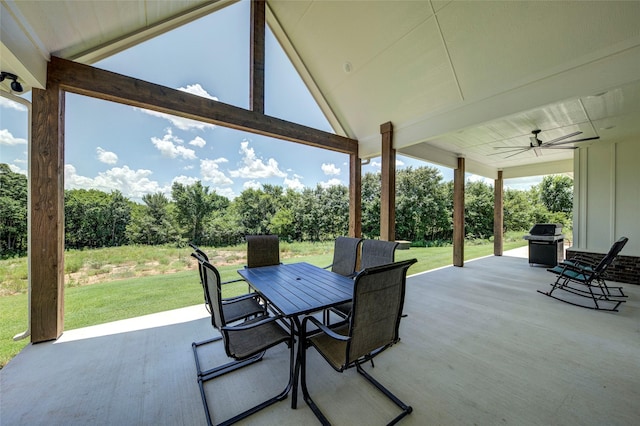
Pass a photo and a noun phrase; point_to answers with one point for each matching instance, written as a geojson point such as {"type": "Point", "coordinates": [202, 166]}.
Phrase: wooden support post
{"type": "Point", "coordinates": [256, 92]}
{"type": "Point", "coordinates": [458, 214]}
{"type": "Point", "coordinates": [388, 187]}
{"type": "Point", "coordinates": [355, 196]}
{"type": "Point", "coordinates": [46, 245]}
{"type": "Point", "coordinates": [498, 215]}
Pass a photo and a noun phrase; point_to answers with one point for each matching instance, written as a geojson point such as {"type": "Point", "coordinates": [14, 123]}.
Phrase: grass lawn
{"type": "Point", "coordinates": [119, 298]}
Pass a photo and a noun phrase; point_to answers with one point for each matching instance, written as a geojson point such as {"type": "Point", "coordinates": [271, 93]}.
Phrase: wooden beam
{"type": "Point", "coordinates": [498, 215]}
{"type": "Point", "coordinates": [458, 213]}
{"type": "Point", "coordinates": [388, 187]}
{"type": "Point", "coordinates": [256, 92]}
{"type": "Point", "coordinates": [46, 245]}
{"type": "Point", "coordinates": [89, 81]}
{"type": "Point", "coordinates": [355, 196]}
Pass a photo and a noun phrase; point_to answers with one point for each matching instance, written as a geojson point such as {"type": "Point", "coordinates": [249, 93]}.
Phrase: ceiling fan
{"type": "Point", "coordinates": [537, 145]}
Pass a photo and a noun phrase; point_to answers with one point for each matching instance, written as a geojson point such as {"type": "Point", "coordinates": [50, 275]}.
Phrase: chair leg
{"type": "Point", "coordinates": [562, 283]}
{"type": "Point", "coordinates": [305, 392]}
{"type": "Point", "coordinates": [406, 409]}
{"type": "Point", "coordinates": [231, 366]}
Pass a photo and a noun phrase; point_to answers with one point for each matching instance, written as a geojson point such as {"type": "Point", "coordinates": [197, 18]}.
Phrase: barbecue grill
{"type": "Point", "coordinates": [546, 244]}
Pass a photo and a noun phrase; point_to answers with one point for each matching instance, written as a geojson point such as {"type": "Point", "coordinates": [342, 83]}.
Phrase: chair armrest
{"type": "Point", "coordinates": [231, 281]}
{"type": "Point", "coordinates": [241, 327]}
{"type": "Point", "coordinates": [240, 298]}
{"type": "Point", "coordinates": [326, 330]}
{"type": "Point", "coordinates": [582, 260]}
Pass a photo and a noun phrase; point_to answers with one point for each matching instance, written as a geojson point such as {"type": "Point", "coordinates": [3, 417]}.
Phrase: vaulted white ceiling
{"type": "Point", "coordinates": [454, 77]}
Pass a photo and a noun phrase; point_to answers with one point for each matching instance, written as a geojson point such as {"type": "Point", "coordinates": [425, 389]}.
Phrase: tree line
{"type": "Point", "coordinates": [424, 206]}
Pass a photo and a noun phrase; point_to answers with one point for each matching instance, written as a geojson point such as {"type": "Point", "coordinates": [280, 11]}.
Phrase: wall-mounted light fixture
{"type": "Point", "coordinates": [15, 85]}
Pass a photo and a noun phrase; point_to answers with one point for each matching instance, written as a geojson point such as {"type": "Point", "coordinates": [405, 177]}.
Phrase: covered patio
{"type": "Point", "coordinates": [479, 346]}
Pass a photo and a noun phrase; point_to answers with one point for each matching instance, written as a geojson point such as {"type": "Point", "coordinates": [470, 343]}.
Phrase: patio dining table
{"type": "Point", "coordinates": [297, 289]}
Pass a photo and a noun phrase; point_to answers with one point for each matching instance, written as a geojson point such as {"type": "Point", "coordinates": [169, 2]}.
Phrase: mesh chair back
{"type": "Point", "coordinates": [213, 293]}
{"type": "Point", "coordinates": [262, 250]}
{"type": "Point", "coordinates": [200, 260]}
{"type": "Point", "coordinates": [615, 249]}
{"type": "Point", "coordinates": [377, 252]}
{"type": "Point", "coordinates": [345, 255]}
{"type": "Point", "coordinates": [378, 298]}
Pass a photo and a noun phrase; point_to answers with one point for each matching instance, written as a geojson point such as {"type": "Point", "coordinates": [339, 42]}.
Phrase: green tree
{"type": "Point", "coordinates": [517, 211]}
{"type": "Point", "coordinates": [556, 193]}
{"type": "Point", "coordinates": [13, 212]}
{"type": "Point", "coordinates": [152, 223]}
{"type": "Point", "coordinates": [371, 187]}
{"type": "Point", "coordinates": [478, 210]}
{"type": "Point", "coordinates": [421, 205]}
{"type": "Point", "coordinates": [193, 205]}
{"type": "Point", "coordinates": [95, 219]}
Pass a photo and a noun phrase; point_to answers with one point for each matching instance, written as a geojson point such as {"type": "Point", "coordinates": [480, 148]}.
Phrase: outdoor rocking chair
{"type": "Point", "coordinates": [245, 342]}
{"type": "Point", "coordinates": [374, 253]}
{"type": "Point", "coordinates": [372, 327]}
{"type": "Point", "coordinates": [582, 277]}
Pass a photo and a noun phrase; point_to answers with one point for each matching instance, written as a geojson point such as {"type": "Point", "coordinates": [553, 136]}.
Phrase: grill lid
{"type": "Point", "coordinates": [546, 229]}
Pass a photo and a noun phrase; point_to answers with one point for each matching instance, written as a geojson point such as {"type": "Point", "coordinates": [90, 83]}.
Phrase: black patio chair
{"type": "Point", "coordinates": [583, 277]}
{"type": "Point", "coordinates": [346, 252]}
{"type": "Point", "coordinates": [198, 251]}
{"type": "Point", "coordinates": [262, 250]}
{"type": "Point", "coordinates": [372, 327]}
{"type": "Point", "coordinates": [374, 253]}
{"type": "Point", "coordinates": [245, 342]}
{"type": "Point", "coordinates": [235, 308]}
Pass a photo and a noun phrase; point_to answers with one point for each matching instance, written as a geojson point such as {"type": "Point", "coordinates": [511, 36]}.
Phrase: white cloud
{"type": "Point", "coordinates": [211, 172]}
{"type": "Point", "coordinates": [256, 168]}
{"type": "Point", "coordinates": [476, 178]}
{"type": "Point", "coordinates": [185, 180]}
{"type": "Point", "coordinates": [198, 141]}
{"type": "Point", "coordinates": [226, 192]}
{"type": "Point", "coordinates": [106, 157]}
{"type": "Point", "coordinates": [330, 169]}
{"type": "Point", "coordinates": [8, 103]}
{"type": "Point", "coordinates": [6, 138]}
{"type": "Point", "coordinates": [294, 183]}
{"type": "Point", "coordinates": [185, 123]}
{"type": "Point", "coordinates": [378, 164]}
{"type": "Point", "coordinates": [132, 183]}
{"type": "Point", "coordinates": [172, 146]}
{"type": "Point", "coordinates": [330, 182]}
{"type": "Point", "coordinates": [251, 184]}
{"type": "Point", "coordinates": [17, 169]}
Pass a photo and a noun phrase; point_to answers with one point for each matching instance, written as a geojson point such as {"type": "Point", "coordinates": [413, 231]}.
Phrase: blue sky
{"type": "Point", "coordinates": [111, 146]}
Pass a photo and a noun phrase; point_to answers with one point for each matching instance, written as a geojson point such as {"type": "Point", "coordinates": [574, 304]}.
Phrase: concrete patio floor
{"type": "Point", "coordinates": [479, 347]}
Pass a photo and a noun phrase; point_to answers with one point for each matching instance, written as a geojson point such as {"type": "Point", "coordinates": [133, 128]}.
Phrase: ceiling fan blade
{"type": "Point", "coordinates": [507, 152]}
{"type": "Point", "coordinates": [561, 138]}
{"type": "Point", "coordinates": [559, 147]}
{"type": "Point", "coordinates": [511, 147]}
{"type": "Point", "coordinates": [517, 153]}
{"type": "Point", "coordinates": [574, 141]}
